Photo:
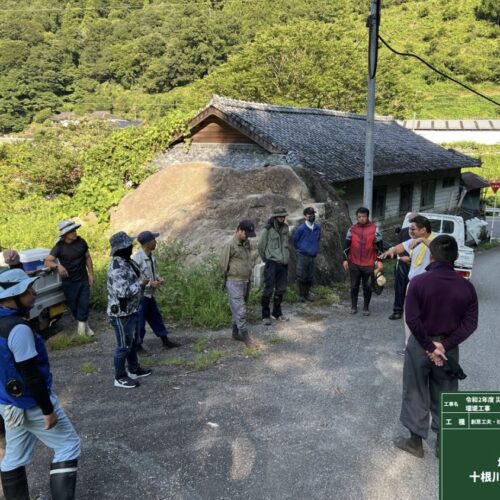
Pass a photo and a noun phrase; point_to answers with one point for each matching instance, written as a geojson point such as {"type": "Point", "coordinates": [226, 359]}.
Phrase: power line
{"type": "Point", "coordinates": [409, 54]}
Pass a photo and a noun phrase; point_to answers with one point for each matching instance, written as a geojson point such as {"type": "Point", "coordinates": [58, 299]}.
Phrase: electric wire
{"type": "Point", "coordinates": [433, 68]}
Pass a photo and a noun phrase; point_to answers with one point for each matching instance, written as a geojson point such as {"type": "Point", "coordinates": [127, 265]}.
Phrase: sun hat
{"type": "Point", "coordinates": [67, 226]}
{"type": "Point", "coordinates": [119, 241]}
{"type": "Point", "coordinates": [14, 282]}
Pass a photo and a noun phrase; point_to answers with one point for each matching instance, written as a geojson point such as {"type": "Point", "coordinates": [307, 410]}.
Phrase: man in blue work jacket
{"type": "Point", "coordinates": [27, 403]}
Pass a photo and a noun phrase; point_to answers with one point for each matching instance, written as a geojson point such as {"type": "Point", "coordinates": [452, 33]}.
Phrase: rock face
{"type": "Point", "coordinates": [202, 205]}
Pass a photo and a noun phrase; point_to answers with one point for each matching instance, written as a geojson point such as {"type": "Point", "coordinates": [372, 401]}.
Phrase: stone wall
{"type": "Point", "coordinates": [239, 156]}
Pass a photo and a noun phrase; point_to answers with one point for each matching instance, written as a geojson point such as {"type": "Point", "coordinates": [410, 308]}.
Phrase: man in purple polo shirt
{"type": "Point", "coordinates": [441, 311]}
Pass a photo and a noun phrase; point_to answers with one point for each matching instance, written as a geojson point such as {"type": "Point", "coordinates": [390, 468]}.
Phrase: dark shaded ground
{"type": "Point", "coordinates": [313, 416]}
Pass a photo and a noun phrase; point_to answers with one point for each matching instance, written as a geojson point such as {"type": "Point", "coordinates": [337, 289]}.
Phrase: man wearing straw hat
{"type": "Point", "coordinates": [27, 403]}
{"type": "Point", "coordinates": [70, 256]}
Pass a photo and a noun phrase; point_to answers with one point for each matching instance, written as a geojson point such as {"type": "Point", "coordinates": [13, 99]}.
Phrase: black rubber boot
{"type": "Point", "coordinates": [302, 292]}
{"type": "Point", "coordinates": [15, 484]}
{"type": "Point", "coordinates": [63, 480]}
{"type": "Point", "coordinates": [412, 445]}
{"type": "Point", "coordinates": [168, 344]}
{"type": "Point", "coordinates": [236, 333]}
{"type": "Point", "coordinates": [246, 338]}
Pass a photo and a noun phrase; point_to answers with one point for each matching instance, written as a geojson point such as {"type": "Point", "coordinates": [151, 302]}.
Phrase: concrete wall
{"type": "Point", "coordinates": [443, 136]}
{"type": "Point", "coordinates": [445, 198]}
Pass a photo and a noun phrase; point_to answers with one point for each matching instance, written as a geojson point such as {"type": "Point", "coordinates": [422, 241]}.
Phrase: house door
{"type": "Point", "coordinates": [379, 197]}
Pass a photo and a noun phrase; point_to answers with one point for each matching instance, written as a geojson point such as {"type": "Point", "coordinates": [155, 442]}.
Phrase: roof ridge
{"type": "Point", "coordinates": [221, 100]}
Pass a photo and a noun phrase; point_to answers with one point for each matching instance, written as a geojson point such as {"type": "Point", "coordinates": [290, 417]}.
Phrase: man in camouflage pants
{"type": "Point", "coordinates": [125, 290]}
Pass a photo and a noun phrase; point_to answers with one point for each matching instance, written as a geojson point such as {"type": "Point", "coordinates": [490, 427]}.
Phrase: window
{"type": "Point", "coordinates": [379, 196]}
{"type": "Point", "coordinates": [427, 194]}
{"type": "Point", "coordinates": [448, 182]}
{"type": "Point", "coordinates": [405, 198]}
{"type": "Point", "coordinates": [442, 226]}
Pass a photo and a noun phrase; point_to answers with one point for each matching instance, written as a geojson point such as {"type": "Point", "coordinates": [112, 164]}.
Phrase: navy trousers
{"type": "Point", "coordinates": [77, 295]}
{"type": "Point", "coordinates": [400, 283]}
{"type": "Point", "coordinates": [149, 312]}
{"type": "Point", "coordinates": [275, 279]}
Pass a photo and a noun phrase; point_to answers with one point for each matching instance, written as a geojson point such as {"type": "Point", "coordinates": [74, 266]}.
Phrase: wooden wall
{"type": "Point", "coordinates": [446, 198]}
{"type": "Point", "coordinates": [213, 130]}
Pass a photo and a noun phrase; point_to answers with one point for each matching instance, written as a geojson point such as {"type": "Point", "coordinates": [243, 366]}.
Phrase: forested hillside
{"type": "Point", "coordinates": [141, 58]}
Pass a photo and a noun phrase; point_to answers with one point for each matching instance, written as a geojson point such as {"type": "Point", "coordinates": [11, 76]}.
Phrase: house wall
{"type": "Point", "coordinates": [446, 136]}
{"type": "Point", "coordinates": [445, 199]}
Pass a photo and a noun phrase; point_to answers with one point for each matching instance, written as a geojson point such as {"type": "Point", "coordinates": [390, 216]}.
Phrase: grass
{"type": "Point", "coordinates": [252, 352]}
{"type": "Point", "coordinates": [147, 362]}
{"type": "Point", "coordinates": [275, 339]}
{"type": "Point", "coordinates": [64, 341]}
{"type": "Point", "coordinates": [200, 345]}
{"type": "Point", "coordinates": [87, 368]}
{"type": "Point", "coordinates": [487, 245]}
{"type": "Point", "coordinates": [206, 360]}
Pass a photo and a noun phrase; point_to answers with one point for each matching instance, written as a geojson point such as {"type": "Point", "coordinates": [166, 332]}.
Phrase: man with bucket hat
{"type": "Point", "coordinates": [125, 289]}
{"type": "Point", "coordinates": [236, 269]}
{"type": "Point", "coordinates": [27, 403]}
{"type": "Point", "coordinates": [149, 308]}
{"type": "Point", "coordinates": [273, 250]}
{"type": "Point", "coordinates": [70, 256]}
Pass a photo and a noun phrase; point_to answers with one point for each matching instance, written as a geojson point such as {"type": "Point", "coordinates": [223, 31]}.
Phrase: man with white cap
{"type": "Point", "coordinates": [125, 289]}
{"type": "Point", "coordinates": [27, 403]}
{"type": "Point", "coordinates": [149, 310]}
{"type": "Point", "coordinates": [70, 256]}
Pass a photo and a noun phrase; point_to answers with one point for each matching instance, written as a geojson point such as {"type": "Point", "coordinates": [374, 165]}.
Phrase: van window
{"type": "Point", "coordinates": [436, 225]}
{"type": "Point", "coordinates": [448, 227]}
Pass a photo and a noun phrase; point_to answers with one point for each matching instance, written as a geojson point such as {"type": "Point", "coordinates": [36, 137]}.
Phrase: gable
{"type": "Point", "coordinates": [213, 130]}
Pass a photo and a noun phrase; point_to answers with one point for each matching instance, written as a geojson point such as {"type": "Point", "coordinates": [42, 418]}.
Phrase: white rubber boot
{"type": "Point", "coordinates": [81, 327]}
{"type": "Point", "coordinates": [89, 330]}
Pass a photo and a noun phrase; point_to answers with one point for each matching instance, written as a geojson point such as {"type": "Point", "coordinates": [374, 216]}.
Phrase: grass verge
{"type": "Point", "coordinates": [63, 341]}
{"type": "Point", "coordinates": [87, 368]}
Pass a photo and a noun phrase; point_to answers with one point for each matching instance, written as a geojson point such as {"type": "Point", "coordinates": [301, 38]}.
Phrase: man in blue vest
{"type": "Point", "coordinates": [306, 242]}
{"type": "Point", "coordinates": [27, 403]}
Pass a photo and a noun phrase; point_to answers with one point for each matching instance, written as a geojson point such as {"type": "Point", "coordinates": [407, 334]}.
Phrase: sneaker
{"type": "Point", "coordinates": [139, 373]}
{"type": "Point", "coordinates": [280, 318]}
{"type": "Point", "coordinates": [140, 350]}
{"type": "Point", "coordinates": [126, 383]}
{"type": "Point", "coordinates": [366, 312]}
{"type": "Point", "coordinates": [266, 321]}
{"type": "Point", "coordinates": [354, 310]}
{"type": "Point", "coordinates": [401, 352]}
{"type": "Point", "coordinates": [395, 316]}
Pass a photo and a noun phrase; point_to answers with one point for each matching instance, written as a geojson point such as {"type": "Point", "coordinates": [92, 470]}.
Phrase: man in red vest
{"type": "Point", "coordinates": [363, 242]}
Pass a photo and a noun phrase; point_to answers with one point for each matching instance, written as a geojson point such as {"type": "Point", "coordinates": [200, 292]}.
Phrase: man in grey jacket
{"type": "Point", "coordinates": [273, 250]}
{"type": "Point", "coordinates": [236, 270]}
{"type": "Point", "coordinates": [125, 289]}
{"type": "Point", "coordinates": [149, 310]}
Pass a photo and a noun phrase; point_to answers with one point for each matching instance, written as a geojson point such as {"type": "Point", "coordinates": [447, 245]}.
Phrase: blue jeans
{"type": "Point", "coordinates": [127, 333]}
{"type": "Point", "coordinates": [77, 295]}
{"type": "Point", "coordinates": [20, 441]}
{"type": "Point", "coordinates": [149, 312]}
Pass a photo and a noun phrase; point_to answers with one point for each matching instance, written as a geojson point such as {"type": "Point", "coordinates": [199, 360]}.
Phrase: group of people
{"type": "Point", "coordinates": [441, 311]}
{"type": "Point", "coordinates": [236, 264]}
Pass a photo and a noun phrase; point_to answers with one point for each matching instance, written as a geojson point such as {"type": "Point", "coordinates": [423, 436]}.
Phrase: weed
{"type": "Point", "coordinates": [87, 368]}
{"type": "Point", "coordinates": [200, 345]}
{"type": "Point", "coordinates": [206, 360]}
{"type": "Point", "coordinates": [252, 352]}
{"type": "Point", "coordinates": [63, 341]}
{"type": "Point", "coordinates": [487, 245]}
{"type": "Point", "coordinates": [275, 339]}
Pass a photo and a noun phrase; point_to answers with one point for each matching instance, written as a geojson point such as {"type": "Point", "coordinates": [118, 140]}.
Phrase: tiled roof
{"type": "Point", "coordinates": [333, 142]}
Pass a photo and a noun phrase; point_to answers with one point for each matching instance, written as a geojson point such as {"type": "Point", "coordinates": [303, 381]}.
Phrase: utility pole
{"type": "Point", "coordinates": [372, 24]}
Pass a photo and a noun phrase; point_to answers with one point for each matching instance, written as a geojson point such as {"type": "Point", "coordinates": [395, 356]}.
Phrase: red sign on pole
{"type": "Point", "coordinates": [495, 186]}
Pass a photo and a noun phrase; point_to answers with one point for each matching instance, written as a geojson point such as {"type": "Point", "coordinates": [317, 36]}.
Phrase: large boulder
{"type": "Point", "coordinates": [202, 204]}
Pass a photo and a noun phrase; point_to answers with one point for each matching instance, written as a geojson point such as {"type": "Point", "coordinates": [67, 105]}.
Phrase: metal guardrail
{"type": "Point", "coordinates": [492, 211]}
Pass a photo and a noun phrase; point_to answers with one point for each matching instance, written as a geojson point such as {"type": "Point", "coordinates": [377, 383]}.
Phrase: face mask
{"type": "Point", "coordinates": [311, 218]}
